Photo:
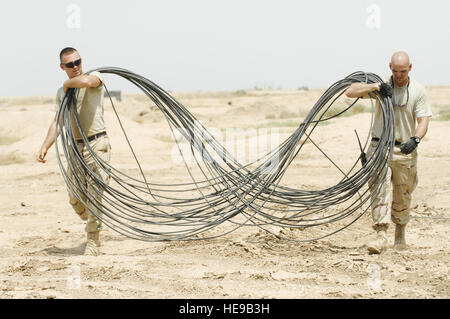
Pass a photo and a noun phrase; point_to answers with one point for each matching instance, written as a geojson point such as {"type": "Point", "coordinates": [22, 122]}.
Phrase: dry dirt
{"type": "Point", "coordinates": [42, 240]}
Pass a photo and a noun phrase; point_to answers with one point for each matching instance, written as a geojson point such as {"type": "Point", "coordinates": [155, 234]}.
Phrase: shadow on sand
{"type": "Point", "coordinates": [73, 251]}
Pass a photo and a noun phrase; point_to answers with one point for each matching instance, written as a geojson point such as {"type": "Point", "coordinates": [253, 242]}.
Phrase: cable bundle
{"type": "Point", "coordinates": [227, 191]}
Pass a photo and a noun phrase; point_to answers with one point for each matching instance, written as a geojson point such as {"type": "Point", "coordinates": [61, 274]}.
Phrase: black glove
{"type": "Point", "coordinates": [385, 90]}
{"type": "Point", "coordinates": [410, 146]}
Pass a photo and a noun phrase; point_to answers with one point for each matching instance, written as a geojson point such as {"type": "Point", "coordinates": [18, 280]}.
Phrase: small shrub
{"type": "Point", "coordinates": [355, 109]}
{"type": "Point", "coordinates": [443, 116]}
{"type": "Point", "coordinates": [240, 92]}
{"type": "Point", "coordinates": [287, 115]}
{"type": "Point", "coordinates": [303, 113]}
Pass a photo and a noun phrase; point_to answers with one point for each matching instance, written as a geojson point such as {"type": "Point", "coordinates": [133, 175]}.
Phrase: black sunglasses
{"type": "Point", "coordinates": [73, 63]}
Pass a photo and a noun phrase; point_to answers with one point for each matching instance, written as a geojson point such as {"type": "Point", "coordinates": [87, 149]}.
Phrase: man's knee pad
{"type": "Point", "coordinates": [77, 206]}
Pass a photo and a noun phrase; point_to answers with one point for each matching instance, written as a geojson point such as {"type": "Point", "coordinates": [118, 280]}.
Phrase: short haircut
{"type": "Point", "coordinates": [66, 50]}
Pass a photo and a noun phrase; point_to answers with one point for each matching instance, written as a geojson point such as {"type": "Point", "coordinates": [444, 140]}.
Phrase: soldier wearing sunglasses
{"type": "Point", "coordinates": [411, 115]}
{"type": "Point", "coordinates": [90, 111]}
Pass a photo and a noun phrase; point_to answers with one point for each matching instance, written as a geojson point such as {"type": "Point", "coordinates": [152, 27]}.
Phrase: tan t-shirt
{"type": "Point", "coordinates": [405, 116]}
{"type": "Point", "coordinates": [89, 107]}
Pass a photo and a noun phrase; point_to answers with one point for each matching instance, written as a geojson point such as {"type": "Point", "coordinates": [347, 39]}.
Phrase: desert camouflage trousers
{"type": "Point", "coordinates": [102, 149]}
{"type": "Point", "coordinates": [394, 199]}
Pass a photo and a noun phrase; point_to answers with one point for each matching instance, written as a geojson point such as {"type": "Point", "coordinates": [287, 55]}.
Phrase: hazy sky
{"type": "Point", "coordinates": [221, 45]}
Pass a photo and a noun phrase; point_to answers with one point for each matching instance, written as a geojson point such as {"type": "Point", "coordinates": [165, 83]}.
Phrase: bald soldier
{"type": "Point", "coordinates": [411, 115]}
{"type": "Point", "coordinates": [90, 109]}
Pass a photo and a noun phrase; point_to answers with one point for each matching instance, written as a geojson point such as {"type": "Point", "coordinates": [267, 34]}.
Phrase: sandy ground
{"type": "Point", "coordinates": [42, 240]}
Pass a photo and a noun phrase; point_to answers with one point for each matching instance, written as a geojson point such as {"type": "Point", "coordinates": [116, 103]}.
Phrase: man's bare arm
{"type": "Point", "coordinates": [48, 142]}
{"type": "Point", "coordinates": [82, 81]}
{"type": "Point", "coordinates": [361, 89]}
{"type": "Point", "coordinates": [421, 129]}
{"type": "Point", "coordinates": [422, 126]}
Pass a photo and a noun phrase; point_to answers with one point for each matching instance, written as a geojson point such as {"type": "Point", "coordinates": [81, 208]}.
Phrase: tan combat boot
{"type": "Point", "coordinates": [400, 241]}
{"type": "Point", "coordinates": [93, 242]}
{"type": "Point", "coordinates": [380, 244]}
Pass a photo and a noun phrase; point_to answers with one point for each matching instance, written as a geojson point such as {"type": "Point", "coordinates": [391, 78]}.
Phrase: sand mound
{"type": "Point", "coordinates": [8, 137]}
{"type": "Point", "coordinates": [11, 158]}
